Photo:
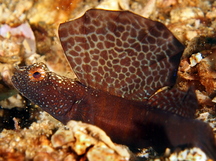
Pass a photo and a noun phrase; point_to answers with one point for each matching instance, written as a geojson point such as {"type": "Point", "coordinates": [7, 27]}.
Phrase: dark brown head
{"type": "Point", "coordinates": [53, 93]}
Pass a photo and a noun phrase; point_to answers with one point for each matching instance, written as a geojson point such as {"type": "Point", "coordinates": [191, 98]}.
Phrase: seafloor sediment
{"type": "Point", "coordinates": [28, 34]}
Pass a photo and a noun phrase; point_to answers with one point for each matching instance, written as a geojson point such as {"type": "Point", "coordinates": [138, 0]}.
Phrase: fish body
{"type": "Point", "coordinates": [133, 123]}
{"type": "Point", "coordinates": [126, 66]}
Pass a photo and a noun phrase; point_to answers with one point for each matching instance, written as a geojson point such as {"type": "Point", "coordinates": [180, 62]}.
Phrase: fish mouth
{"type": "Point", "coordinates": [19, 71]}
{"type": "Point", "coordinates": [17, 78]}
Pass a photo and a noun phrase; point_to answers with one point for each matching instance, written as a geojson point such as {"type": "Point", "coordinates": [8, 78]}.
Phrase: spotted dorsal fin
{"type": "Point", "coordinates": [121, 53]}
{"type": "Point", "coordinates": [176, 101]}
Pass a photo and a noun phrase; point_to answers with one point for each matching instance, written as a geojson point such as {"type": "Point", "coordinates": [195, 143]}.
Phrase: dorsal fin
{"type": "Point", "coordinates": [121, 53]}
{"type": "Point", "coordinates": [182, 103]}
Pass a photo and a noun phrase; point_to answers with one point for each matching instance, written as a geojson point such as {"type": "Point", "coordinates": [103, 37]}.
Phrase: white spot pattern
{"type": "Point", "coordinates": [121, 53]}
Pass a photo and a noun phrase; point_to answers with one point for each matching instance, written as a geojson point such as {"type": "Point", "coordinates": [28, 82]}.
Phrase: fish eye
{"type": "Point", "coordinates": [36, 74]}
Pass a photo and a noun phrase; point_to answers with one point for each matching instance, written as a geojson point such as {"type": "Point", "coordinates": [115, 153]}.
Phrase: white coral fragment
{"type": "Point", "coordinates": [195, 59]}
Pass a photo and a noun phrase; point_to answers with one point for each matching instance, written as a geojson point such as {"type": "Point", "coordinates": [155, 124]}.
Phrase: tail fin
{"type": "Point", "coordinates": [194, 132]}
{"type": "Point", "coordinates": [184, 132]}
{"type": "Point", "coordinates": [207, 140]}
